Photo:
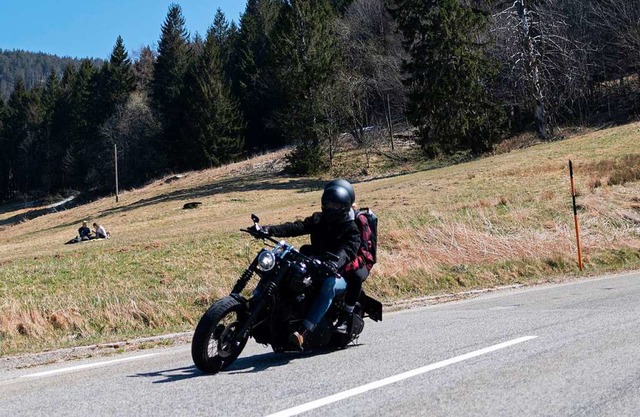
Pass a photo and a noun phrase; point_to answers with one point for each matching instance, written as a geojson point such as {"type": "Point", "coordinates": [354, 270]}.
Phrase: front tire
{"type": "Point", "coordinates": [215, 345]}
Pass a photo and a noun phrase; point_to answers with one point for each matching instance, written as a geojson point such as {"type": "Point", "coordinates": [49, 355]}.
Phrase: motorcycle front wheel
{"type": "Point", "coordinates": [215, 343]}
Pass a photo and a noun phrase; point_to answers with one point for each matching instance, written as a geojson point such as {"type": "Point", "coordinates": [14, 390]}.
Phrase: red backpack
{"type": "Point", "coordinates": [368, 225]}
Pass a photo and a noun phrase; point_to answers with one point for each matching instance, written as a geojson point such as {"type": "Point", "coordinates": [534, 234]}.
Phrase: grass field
{"type": "Point", "coordinates": [499, 220]}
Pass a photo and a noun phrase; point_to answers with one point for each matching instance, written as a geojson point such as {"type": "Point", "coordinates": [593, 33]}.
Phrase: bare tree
{"type": "Point", "coordinates": [372, 77]}
{"type": "Point", "coordinates": [133, 128]}
{"type": "Point", "coordinates": [331, 108]}
{"type": "Point", "coordinates": [618, 24]}
{"type": "Point", "coordinates": [544, 66]}
{"type": "Point", "coordinates": [143, 67]}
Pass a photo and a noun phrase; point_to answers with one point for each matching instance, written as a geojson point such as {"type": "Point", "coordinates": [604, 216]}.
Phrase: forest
{"type": "Point", "coordinates": [32, 67]}
{"type": "Point", "coordinates": [464, 74]}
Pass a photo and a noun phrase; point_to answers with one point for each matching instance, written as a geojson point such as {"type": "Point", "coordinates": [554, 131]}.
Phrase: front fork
{"type": "Point", "coordinates": [267, 297]}
{"type": "Point", "coordinates": [244, 278]}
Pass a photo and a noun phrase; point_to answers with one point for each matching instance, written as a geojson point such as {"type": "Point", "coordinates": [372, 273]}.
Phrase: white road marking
{"type": "Point", "coordinates": [88, 366]}
{"type": "Point", "coordinates": [393, 379]}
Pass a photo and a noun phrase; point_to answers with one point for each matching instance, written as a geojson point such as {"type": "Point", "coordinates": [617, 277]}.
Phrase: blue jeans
{"type": "Point", "coordinates": [331, 287]}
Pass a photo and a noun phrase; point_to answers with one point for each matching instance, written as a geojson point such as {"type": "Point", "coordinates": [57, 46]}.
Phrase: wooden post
{"type": "Point", "coordinates": [575, 215]}
{"type": "Point", "coordinates": [389, 124]}
{"type": "Point", "coordinates": [115, 157]}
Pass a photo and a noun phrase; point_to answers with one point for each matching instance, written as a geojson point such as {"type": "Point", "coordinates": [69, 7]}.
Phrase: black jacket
{"type": "Point", "coordinates": [84, 231]}
{"type": "Point", "coordinates": [342, 239]}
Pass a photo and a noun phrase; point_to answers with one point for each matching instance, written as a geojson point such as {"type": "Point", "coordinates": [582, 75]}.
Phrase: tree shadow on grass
{"type": "Point", "coordinates": [245, 184]}
{"type": "Point", "coordinates": [249, 183]}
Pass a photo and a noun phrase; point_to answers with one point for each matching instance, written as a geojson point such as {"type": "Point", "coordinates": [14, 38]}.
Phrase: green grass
{"type": "Point", "coordinates": [504, 219]}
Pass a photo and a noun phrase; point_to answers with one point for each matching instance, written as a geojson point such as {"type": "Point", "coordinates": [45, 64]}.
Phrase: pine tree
{"type": "Point", "coordinates": [231, 62]}
{"type": "Point", "coordinates": [449, 75]}
{"type": "Point", "coordinates": [51, 93]}
{"type": "Point", "coordinates": [167, 87]}
{"type": "Point", "coordinates": [62, 151]}
{"type": "Point", "coordinates": [34, 148]}
{"type": "Point", "coordinates": [255, 84]}
{"type": "Point", "coordinates": [82, 127]}
{"type": "Point", "coordinates": [306, 56]}
{"type": "Point", "coordinates": [3, 111]}
{"type": "Point", "coordinates": [225, 35]}
{"type": "Point", "coordinates": [4, 157]}
{"type": "Point", "coordinates": [120, 81]}
{"type": "Point", "coordinates": [15, 146]}
{"type": "Point", "coordinates": [220, 30]}
{"type": "Point", "coordinates": [212, 132]}
{"type": "Point", "coordinates": [49, 165]}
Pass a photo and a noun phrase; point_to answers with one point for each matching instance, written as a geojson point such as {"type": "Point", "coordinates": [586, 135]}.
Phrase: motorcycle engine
{"type": "Point", "coordinates": [299, 279]}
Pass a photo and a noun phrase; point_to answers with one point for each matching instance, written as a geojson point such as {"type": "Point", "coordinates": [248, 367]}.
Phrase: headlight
{"type": "Point", "coordinates": [266, 261]}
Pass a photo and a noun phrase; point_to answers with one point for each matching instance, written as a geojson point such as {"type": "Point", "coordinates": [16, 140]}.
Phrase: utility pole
{"type": "Point", "coordinates": [389, 124]}
{"type": "Point", "coordinates": [115, 157]}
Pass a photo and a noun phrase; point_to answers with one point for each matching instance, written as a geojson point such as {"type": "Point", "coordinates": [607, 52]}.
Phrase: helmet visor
{"type": "Point", "coordinates": [335, 213]}
{"type": "Point", "coordinates": [333, 205]}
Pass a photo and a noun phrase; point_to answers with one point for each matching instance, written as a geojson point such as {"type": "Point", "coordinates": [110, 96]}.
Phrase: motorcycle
{"type": "Point", "coordinates": [288, 283]}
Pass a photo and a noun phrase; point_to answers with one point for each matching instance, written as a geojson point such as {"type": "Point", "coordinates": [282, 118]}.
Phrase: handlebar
{"type": "Point", "coordinates": [329, 267]}
{"type": "Point", "coordinates": [258, 234]}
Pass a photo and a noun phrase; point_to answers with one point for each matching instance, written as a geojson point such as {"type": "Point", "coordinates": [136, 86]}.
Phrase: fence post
{"type": "Point", "coordinates": [575, 215]}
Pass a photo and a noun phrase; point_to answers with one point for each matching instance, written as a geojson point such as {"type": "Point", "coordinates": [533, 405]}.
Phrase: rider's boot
{"type": "Point", "coordinates": [297, 338]}
{"type": "Point", "coordinates": [342, 325]}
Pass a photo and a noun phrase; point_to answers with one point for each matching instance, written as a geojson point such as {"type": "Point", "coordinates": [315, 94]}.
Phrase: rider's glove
{"type": "Point", "coordinates": [325, 268]}
{"type": "Point", "coordinates": [332, 266]}
{"type": "Point", "coordinates": [258, 231]}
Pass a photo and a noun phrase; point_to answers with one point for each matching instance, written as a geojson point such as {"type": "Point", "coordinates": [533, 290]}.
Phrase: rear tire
{"type": "Point", "coordinates": [214, 346]}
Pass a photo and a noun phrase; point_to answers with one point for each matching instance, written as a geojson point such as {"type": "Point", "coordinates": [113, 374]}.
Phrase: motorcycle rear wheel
{"type": "Point", "coordinates": [215, 344]}
{"type": "Point", "coordinates": [354, 330]}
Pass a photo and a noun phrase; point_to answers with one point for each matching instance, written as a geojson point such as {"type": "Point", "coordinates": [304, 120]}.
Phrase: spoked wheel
{"type": "Point", "coordinates": [215, 343]}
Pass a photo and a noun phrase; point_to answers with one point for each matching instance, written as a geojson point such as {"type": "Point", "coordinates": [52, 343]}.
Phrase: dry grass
{"type": "Point", "coordinates": [503, 219]}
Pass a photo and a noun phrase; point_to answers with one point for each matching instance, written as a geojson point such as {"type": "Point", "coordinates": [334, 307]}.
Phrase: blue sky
{"type": "Point", "coordinates": [89, 28]}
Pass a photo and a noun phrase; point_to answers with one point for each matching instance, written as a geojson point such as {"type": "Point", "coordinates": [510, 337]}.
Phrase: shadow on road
{"type": "Point", "coordinates": [171, 375]}
{"type": "Point", "coordinates": [249, 364]}
{"type": "Point", "coordinates": [262, 362]}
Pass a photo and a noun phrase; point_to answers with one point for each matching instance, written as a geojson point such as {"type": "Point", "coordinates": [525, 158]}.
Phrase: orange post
{"type": "Point", "coordinates": [575, 215]}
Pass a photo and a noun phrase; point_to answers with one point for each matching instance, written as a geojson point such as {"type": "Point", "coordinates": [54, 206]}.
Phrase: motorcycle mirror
{"type": "Point", "coordinates": [255, 218]}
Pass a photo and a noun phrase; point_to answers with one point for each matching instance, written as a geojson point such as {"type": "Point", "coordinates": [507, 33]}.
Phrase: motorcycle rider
{"type": "Point", "coordinates": [354, 278]}
{"type": "Point", "coordinates": [331, 230]}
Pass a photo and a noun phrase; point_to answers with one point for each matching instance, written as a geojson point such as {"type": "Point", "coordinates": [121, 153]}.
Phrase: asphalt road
{"type": "Point", "coordinates": [556, 350]}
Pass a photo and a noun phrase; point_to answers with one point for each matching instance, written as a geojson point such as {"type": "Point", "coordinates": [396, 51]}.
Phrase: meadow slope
{"type": "Point", "coordinates": [499, 220]}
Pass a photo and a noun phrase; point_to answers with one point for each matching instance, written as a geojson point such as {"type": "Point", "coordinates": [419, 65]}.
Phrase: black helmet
{"type": "Point", "coordinates": [336, 203]}
{"type": "Point", "coordinates": [344, 184]}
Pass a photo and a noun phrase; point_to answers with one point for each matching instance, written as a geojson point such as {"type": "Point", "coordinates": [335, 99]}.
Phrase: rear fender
{"type": "Point", "coordinates": [371, 307]}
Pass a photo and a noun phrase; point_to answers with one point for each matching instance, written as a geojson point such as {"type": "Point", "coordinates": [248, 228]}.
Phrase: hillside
{"type": "Point", "coordinates": [500, 220]}
{"type": "Point", "coordinates": [32, 67]}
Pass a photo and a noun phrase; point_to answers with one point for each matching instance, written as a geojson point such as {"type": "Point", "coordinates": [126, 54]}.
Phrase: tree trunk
{"type": "Point", "coordinates": [532, 66]}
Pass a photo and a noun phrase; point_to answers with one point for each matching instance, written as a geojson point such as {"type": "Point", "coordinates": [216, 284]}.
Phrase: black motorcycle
{"type": "Point", "coordinates": [289, 282]}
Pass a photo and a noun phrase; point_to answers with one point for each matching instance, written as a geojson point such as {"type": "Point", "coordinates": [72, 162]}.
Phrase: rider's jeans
{"type": "Point", "coordinates": [331, 287]}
